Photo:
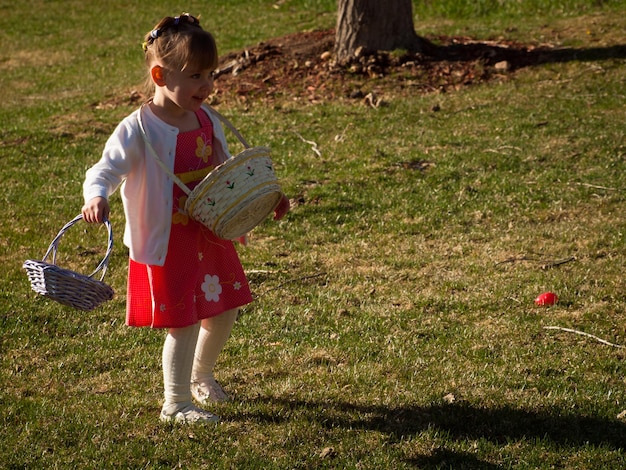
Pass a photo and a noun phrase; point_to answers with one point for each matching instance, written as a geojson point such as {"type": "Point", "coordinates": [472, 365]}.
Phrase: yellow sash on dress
{"type": "Point", "coordinates": [196, 175]}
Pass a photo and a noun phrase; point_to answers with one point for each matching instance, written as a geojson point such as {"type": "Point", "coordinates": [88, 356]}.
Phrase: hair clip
{"type": "Point", "coordinates": [155, 33]}
{"type": "Point", "coordinates": [187, 17]}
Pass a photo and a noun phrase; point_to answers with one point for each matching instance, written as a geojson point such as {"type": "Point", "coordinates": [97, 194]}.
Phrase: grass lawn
{"type": "Point", "coordinates": [394, 324]}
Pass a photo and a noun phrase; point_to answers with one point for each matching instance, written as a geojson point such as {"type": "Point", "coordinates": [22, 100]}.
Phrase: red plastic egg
{"type": "Point", "coordinates": [547, 298]}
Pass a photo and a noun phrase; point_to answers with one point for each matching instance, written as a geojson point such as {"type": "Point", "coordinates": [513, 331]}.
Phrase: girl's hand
{"type": "Point", "coordinates": [96, 210]}
{"type": "Point", "coordinates": [282, 208]}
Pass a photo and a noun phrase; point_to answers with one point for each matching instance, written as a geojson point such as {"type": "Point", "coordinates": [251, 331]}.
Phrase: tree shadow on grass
{"type": "Point", "coordinates": [519, 56]}
{"type": "Point", "coordinates": [459, 421]}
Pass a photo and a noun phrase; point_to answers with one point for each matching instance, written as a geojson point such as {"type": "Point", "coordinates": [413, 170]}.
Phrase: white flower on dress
{"type": "Point", "coordinates": [211, 288]}
{"type": "Point", "coordinates": [237, 285]}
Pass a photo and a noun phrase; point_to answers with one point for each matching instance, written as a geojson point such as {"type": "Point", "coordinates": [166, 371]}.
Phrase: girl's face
{"type": "Point", "coordinates": [184, 90]}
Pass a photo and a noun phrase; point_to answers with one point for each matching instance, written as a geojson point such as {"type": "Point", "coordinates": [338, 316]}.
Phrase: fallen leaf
{"type": "Point", "coordinates": [449, 398]}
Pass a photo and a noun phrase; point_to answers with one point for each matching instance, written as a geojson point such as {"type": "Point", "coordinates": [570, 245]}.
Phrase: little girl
{"type": "Point", "coordinates": [180, 276]}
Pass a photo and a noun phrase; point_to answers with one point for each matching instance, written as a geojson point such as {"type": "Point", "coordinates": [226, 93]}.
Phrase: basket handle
{"type": "Point", "coordinates": [228, 124]}
{"type": "Point", "coordinates": [54, 246]}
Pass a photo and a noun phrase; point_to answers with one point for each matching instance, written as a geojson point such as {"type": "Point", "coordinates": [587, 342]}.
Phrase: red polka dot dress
{"type": "Point", "coordinates": [202, 275]}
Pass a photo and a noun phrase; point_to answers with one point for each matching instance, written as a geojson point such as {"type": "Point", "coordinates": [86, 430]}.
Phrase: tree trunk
{"type": "Point", "coordinates": [375, 25]}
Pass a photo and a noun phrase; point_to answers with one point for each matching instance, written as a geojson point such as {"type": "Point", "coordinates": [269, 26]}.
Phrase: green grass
{"type": "Point", "coordinates": [394, 323]}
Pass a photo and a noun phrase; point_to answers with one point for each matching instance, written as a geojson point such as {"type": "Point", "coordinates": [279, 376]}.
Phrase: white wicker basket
{"type": "Point", "coordinates": [68, 287]}
{"type": "Point", "coordinates": [234, 197]}
{"type": "Point", "coordinates": [237, 195]}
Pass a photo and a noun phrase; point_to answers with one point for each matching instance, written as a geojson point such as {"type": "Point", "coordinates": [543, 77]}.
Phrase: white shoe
{"type": "Point", "coordinates": [190, 414]}
{"type": "Point", "coordinates": [206, 391]}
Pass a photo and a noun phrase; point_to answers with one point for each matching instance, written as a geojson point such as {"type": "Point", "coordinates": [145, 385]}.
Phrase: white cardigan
{"type": "Point", "coordinates": [146, 190]}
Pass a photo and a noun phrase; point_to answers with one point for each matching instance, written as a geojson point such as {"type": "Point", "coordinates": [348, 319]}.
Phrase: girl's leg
{"type": "Point", "coordinates": [214, 332]}
{"type": "Point", "coordinates": [178, 352]}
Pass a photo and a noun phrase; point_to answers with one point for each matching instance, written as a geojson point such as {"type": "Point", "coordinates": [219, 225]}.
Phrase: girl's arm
{"type": "Point", "coordinates": [282, 208]}
{"type": "Point", "coordinates": [96, 210]}
{"type": "Point", "coordinates": [104, 177]}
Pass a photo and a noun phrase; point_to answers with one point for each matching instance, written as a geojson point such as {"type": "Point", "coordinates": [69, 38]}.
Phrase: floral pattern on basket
{"type": "Point", "coordinates": [253, 194]}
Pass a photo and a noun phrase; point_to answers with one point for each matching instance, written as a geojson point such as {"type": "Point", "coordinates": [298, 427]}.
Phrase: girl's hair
{"type": "Point", "coordinates": [178, 43]}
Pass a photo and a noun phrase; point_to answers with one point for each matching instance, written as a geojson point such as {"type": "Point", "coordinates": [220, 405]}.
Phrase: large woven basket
{"type": "Point", "coordinates": [234, 197]}
{"type": "Point", "coordinates": [237, 195]}
{"type": "Point", "coordinates": [68, 287]}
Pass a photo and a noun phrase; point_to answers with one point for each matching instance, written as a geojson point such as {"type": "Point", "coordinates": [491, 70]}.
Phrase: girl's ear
{"type": "Point", "coordinates": [158, 75]}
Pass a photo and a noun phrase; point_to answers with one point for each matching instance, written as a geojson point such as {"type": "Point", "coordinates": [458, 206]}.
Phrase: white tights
{"type": "Point", "coordinates": [189, 352]}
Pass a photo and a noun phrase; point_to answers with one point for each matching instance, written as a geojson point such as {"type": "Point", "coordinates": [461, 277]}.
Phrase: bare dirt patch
{"type": "Point", "coordinates": [301, 66]}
